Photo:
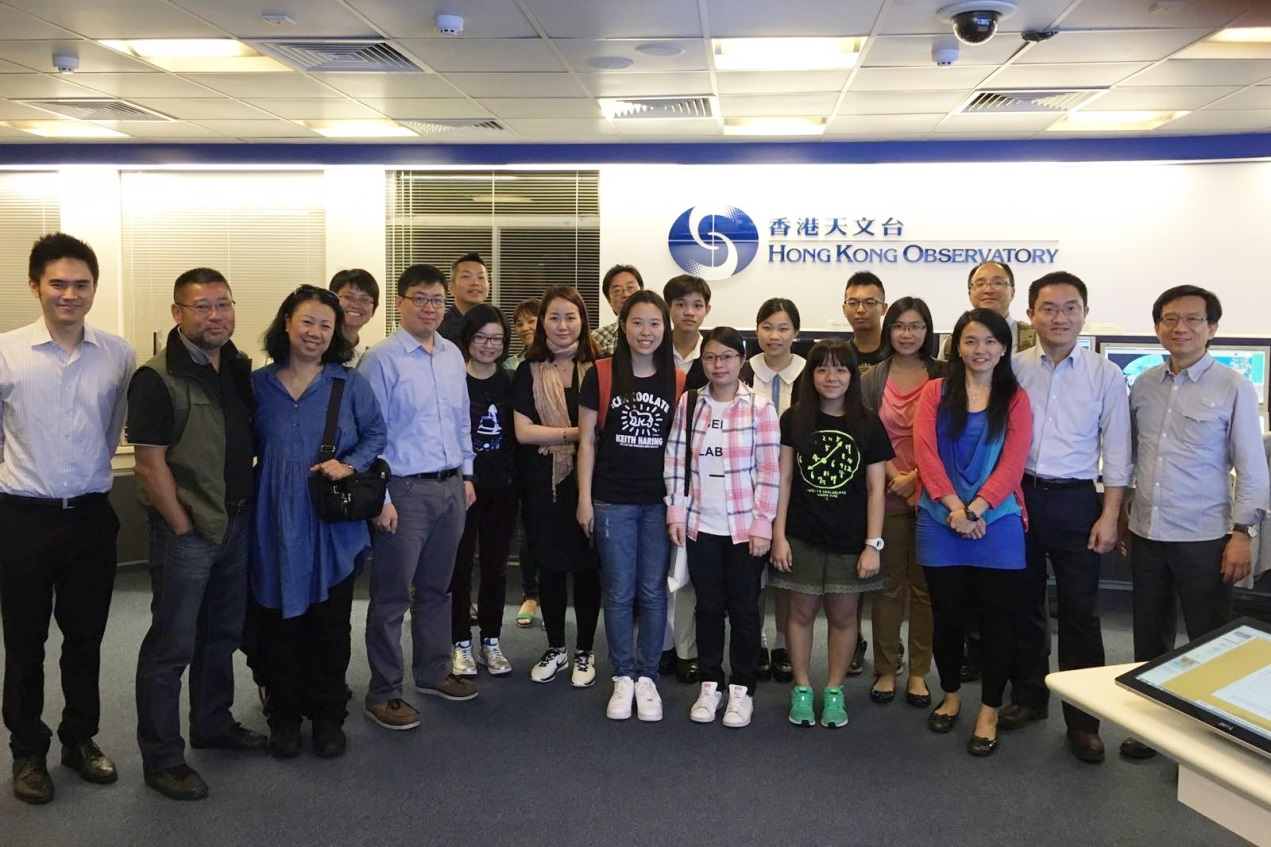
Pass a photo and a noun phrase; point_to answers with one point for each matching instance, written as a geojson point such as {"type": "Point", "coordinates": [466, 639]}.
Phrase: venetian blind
{"type": "Point", "coordinates": [266, 232]}
{"type": "Point", "coordinates": [29, 208]}
{"type": "Point", "coordinates": [533, 228]}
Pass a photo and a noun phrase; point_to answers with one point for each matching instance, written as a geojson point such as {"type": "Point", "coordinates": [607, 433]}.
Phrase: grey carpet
{"type": "Point", "coordinates": [532, 765]}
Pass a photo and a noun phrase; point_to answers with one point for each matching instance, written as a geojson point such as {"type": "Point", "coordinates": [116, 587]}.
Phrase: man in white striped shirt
{"type": "Point", "coordinates": [62, 401]}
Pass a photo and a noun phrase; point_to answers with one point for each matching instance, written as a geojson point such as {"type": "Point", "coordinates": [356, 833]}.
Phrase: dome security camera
{"type": "Point", "coordinates": [65, 63]}
{"type": "Point", "coordinates": [975, 21]}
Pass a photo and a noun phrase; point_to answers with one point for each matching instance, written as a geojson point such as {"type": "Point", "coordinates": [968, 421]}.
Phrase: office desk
{"type": "Point", "coordinates": [1217, 777]}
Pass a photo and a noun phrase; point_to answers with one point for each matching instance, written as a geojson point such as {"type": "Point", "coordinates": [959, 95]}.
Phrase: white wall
{"type": "Point", "coordinates": [356, 230]}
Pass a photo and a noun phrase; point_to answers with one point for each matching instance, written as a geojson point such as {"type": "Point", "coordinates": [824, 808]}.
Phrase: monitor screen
{"type": "Point", "coordinates": [1249, 361]}
{"type": "Point", "coordinates": [1085, 341]}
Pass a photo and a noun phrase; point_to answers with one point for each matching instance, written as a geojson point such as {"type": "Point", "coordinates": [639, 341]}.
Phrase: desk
{"type": "Point", "coordinates": [1217, 777]}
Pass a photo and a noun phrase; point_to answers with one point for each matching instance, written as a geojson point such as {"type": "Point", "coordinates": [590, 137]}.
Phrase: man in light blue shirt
{"type": "Point", "coordinates": [1081, 414]}
{"type": "Point", "coordinates": [1195, 421]}
{"type": "Point", "coordinates": [419, 379]}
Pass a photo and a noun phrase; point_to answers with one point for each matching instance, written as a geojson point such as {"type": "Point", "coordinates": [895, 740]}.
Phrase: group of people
{"type": "Point", "coordinates": [873, 468]}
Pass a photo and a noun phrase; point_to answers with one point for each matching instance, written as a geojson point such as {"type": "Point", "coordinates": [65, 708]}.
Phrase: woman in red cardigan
{"type": "Point", "coordinates": [972, 432]}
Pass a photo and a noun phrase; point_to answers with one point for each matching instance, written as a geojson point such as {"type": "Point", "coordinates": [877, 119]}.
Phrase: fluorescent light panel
{"type": "Point", "coordinates": [786, 54]}
{"type": "Point", "coordinates": [1243, 35]}
{"type": "Point", "coordinates": [64, 129]}
{"type": "Point", "coordinates": [1112, 121]}
{"type": "Point", "coordinates": [774, 126]}
{"type": "Point", "coordinates": [198, 55]}
{"type": "Point", "coordinates": [359, 129]}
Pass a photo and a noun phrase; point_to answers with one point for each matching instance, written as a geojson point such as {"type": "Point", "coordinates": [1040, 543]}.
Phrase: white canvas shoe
{"type": "Point", "coordinates": [707, 704]}
{"type": "Point", "coordinates": [619, 708]}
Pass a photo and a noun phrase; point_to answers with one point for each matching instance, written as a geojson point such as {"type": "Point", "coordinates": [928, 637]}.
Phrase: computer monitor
{"type": "Point", "coordinates": [1086, 341]}
{"type": "Point", "coordinates": [1247, 356]}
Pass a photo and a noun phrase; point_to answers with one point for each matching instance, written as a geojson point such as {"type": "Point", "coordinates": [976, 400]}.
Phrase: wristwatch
{"type": "Point", "coordinates": [1249, 529]}
{"type": "Point", "coordinates": [970, 515]}
{"type": "Point", "coordinates": [876, 543]}
{"type": "Point", "coordinates": [467, 477]}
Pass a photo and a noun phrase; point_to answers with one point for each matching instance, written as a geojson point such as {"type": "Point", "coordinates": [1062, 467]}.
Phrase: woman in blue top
{"type": "Point", "coordinates": [301, 566]}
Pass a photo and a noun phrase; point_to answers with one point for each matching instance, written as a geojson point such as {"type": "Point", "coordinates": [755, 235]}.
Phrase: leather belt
{"type": "Point", "coordinates": [53, 502]}
{"type": "Point", "coordinates": [1046, 484]}
{"type": "Point", "coordinates": [446, 474]}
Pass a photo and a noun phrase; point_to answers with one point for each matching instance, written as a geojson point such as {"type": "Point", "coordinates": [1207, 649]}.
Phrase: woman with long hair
{"type": "Point", "coordinates": [626, 405]}
{"type": "Point", "coordinates": [829, 525]}
{"type": "Point", "coordinates": [891, 389]}
{"type": "Point", "coordinates": [972, 431]}
{"type": "Point", "coordinates": [302, 567]}
{"type": "Point", "coordinates": [545, 400]}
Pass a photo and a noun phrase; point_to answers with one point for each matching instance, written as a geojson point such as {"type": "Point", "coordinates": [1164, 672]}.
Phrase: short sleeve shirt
{"type": "Point", "coordinates": [631, 449]}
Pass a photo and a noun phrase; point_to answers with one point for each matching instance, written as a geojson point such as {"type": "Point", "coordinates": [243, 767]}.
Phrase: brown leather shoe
{"type": "Point", "coordinates": [1016, 716]}
{"type": "Point", "coordinates": [179, 782]}
{"type": "Point", "coordinates": [1134, 749]}
{"type": "Point", "coordinates": [31, 781]}
{"type": "Point", "coordinates": [1086, 746]}
{"type": "Point", "coordinates": [92, 764]}
{"type": "Point", "coordinates": [451, 688]}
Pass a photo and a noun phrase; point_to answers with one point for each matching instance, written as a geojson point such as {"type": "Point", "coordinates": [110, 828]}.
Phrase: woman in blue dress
{"type": "Point", "coordinates": [302, 568]}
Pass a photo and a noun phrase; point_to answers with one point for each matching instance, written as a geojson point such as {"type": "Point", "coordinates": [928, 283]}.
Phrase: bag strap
{"type": "Point", "coordinates": [327, 450]}
{"type": "Point", "coordinates": [690, 407]}
{"type": "Point", "coordinates": [604, 376]}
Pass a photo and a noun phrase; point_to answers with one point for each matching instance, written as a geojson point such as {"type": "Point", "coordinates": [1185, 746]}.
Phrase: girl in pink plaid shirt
{"type": "Point", "coordinates": [732, 460]}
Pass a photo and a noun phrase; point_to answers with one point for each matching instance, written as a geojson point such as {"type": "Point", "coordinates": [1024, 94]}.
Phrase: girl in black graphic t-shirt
{"type": "Point", "coordinates": [620, 491]}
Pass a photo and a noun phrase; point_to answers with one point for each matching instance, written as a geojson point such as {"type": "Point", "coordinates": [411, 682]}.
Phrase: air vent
{"type": "Point", "coordinates": [97, 110]}
{"type": "Point", "coordinates": [643, 108]}
{"type": "Point", "coordinates": [342, 56]}
{"type": "Point", "coordinates": [463, 126]}
{"type": "Point", "coordinates": [1025, 102]}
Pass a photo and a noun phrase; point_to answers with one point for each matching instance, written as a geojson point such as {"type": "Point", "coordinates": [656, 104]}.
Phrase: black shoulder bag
{"type": "Point", "coordinates": [358, 497]}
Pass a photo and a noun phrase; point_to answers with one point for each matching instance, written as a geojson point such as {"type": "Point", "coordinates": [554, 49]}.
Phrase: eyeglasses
{"type": "Point", "coordinates": [721, 358]}
{"type": "Point", "coordinates": [1070, 310]}
{"type": "Point", "coordinates": [1192, 321]}
{"type": "Point", "coordinates": [487, 340]}
{"type": "Point", "coordinates": [995, 284]}
{"type": "Point", "coordinates": [357, 299]}
{"type": "Point", "coordinates": [422, 300]}
{"type": "Point", "coordinates": [915, 327]}
{"type": "Point", "coordinates": [205, 309]}
{"type": "Point", "coordinates": [868, 304]}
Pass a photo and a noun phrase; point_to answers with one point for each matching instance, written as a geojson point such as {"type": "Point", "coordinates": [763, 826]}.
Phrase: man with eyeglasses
{"type": "Point", "coordinates": [1195, 421]}
{"type": "Point", "coordinates": [418, 376]}
{"type": "Point", "coordinates": [864, 302]}
{"type": "Point", "coordinates": [189, 420]}
{"type": "Point", "coordinates": [991, 285]}
{"type": "Point", "coordinates": [62, 395]}
{"type": "Point", "coordinates": [359, 295]}
{"type": "Point", "coordinates": [469, 286]}
{"type": "Point", "coordinates": [1081, 414]}
{"type": "Point", "coordinates": [619, 283]}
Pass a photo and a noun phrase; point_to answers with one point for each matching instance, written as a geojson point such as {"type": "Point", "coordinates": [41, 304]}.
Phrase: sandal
{"type": "Point", "coordinates": [525, 617]}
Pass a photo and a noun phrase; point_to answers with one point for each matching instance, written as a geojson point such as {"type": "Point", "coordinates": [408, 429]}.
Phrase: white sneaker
{"type": "Point", "coordinates": [707, 704]}
{"type": "Point", "coordinates": [740, 707]}
{"type": "Point", "coordinates": [461, 663]}
{"type": "Point", "coordinates": [648, 701]}
{"type": "Point", "coordinates": [492, 657]}
{"type": "Point", "coordinates": [584, 673]}
{"type": "Point", "coordinates": [545, 671]}
{"type": "Point", "coordinates": [619, 708]}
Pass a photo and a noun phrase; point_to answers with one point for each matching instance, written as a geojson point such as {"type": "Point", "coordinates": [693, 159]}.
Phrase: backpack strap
{"type": "Point", "coordinates": [690, 407]}
{"type": "Point", "coordinates": [604, 376]}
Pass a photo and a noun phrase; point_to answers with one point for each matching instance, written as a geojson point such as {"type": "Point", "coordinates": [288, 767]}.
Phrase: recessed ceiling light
{"type": "Point", "coordinates": [1112, 121]}
{"type": "Point", "coordinates": [64, 129]}
{"type": "Point", "coordinates": [1243, 35]}
{"type": "Point", "coordinates": [198, 55]}
{"type": "Point", "coordinates": [785, 54]}
{"type": "Point", "coordinates": [610, 63]}
{"type": "Point", "coordinates": [774, 126]}
{"type": "Point", "coordinates": [660, 48]}
{"type": "Point", "coordinates": [359, 129]}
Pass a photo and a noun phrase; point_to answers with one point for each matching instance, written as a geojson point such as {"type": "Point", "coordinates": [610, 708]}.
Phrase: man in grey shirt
{"type": "Point", "coordinates": [1195, 420]}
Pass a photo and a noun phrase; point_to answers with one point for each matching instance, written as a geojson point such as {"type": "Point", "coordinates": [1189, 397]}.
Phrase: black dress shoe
{"type": "Point", "coordinates": [328, 739]}
{"type": "Point", "coordinates": [882, 698]}
{"type": "Point", "coordinates": [763, 671]}
{"type": "Point", "coordinates": [1086, 746]}
{"type": "Point", "coordinates": [239, 737]}
{"type": "Point", "coordinates": [31, 781]}
{"type": "Point", "coordinates": [1016, 716]}
{"type": "Point", "coordinates": [686, 671]}
{"type": "Point", "coordinates": [981, 746]}
{"type": "Point", "coordinates": [918, 701]}
{"type": "Point", "coordinates": [180, 782]}
{"type": "Point", "coordinates": [858, 658]}
{"type": "Point", "coordinates": [782, 670]}
{"type": "Point", "coordinates": [93, 765]}
{"type": "Point", "coordinates": [1132, 749]}
{"type": "Point", "coordinates": [937, 722]}
{"type": "Point", "coordinates": [666, 665]}
{"type": "Point", "coordinates": [284, 740]}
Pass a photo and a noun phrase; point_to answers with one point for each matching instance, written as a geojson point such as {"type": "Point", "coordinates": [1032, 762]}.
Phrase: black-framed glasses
{"type": "Point", "coordinates": [205, 309]}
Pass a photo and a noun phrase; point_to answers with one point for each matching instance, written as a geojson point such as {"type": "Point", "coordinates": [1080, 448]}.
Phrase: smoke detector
{"type": "Point", "coordinates": [448, 24]}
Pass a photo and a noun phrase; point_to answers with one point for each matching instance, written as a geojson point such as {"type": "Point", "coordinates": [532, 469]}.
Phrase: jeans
{"type": "Point", "coordinates": [727, 580]}
{"type": "Point", "coordinates": [199, 599]}
{"type": "Point", "coordinates": [634, 552]}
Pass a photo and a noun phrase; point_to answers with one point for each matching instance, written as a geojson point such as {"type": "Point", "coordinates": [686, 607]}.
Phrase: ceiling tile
{"type": "Point", "coordinates": [1158, 99]}
{"type": "Point", "coordinates": [760, 106]}
{"type": "Point", "coordinates": [543, 107]}
{"type": "Point", "coordinates": [1148, 45]}
{"type": "Point", "coordinates": [258, 129]}
{"type": "Point", "coordinates": [388, 85]}
{"type": "Point", "coordinates": [650, 19]}
{"type": "Point", "coordinates": [759, 82]}
{"type": "Point", "coordinates": [561, 129]}
{"type": "Point", "coordinates": [980, 123]}
{"type": "Point", "coordinates": [494, 19]}
{"type": "Point", "coordinates": [516, 85]}
{"type": "Point", "coordinates": [883, 124]}
{"type": "Point", "coordinates": [578, 51]}
{"type": "Point", "coordinates": [10, 68]}
{"type": "Point", "coordinates": [1062, 76]}
{"type": "Point", "coordinates": [186, 108]}
{"type": "Point", "coordinates": [1205, 72]}
{"type": "Point", "coordinates": [899, 102]}
{"type": "Point", "coordinates": [133, 19]}
{"type": "Point", "coordinates": [909, 17]}
{"type": "Point", "coordinates": [427, 107]}
{"type": "Point", "coordinates": [274, 86]}
{"type": "Point", "coordinates": [918, 79]}
{"type": "Point", "coordinates": [159, 129]}
{"type": "Point", "coordinates": [18, 135]}
{"type": "Point", "coordinates": [20, 112]}
{"type": "Point", "coordinates": [914, 51]}
{"type": "Point", "coordinates": [1257, 97]}
{"type": "Point", "coordinates": [22, 86]}
{"type": "Point", "coordinates": [313, 18]}
{"type": "Point", "coordinates": [154, 84]}
{"type": "Point", "coordinates": [1254, 120]}
{"type": "Point", "coordinates": [299, 110]}
{"type": "Point", "coordinates": [646, 85]}
{"type": "Point", "coordinates": [484, 55]}
{"type": "Point", "coordinates": [15, 24]}
{"type": "Point", "coordinates": [1121, 15]}
{"type": "Point", "coordinates": [753, 18]}
{"type": "Point", "coordinates": [38, 56]}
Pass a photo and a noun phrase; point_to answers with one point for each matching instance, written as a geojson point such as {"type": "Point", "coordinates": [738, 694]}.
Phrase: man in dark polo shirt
{"type": "Point", "coordinates": [189, 417]}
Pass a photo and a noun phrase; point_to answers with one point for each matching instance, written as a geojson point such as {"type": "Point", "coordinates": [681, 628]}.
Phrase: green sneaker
{"type": "Point", "coordinates": [801, 713]}
{"type": "Point", "coordinates": [833, 714]}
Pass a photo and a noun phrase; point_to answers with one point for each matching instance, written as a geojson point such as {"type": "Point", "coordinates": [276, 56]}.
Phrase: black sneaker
{"type": "Point", "coordinates": [858, 658]}
{"type": "Point", "coordinates": [763, 671]}
{"type": "Point", "coordinates": [782, 670]}
{"type": "Point", "coordinates": [284, 740]}
{"type": "Point", "coordinates": [328, 739]}
{"type": "Point", "coordinates": [686, 671]}
{"type": "Point", "coordinates": [666, 665]}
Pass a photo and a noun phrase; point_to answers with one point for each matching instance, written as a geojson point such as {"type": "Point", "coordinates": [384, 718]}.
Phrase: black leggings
{"type": "Point", "coordinates": [553, 600]}
{"type": "Point", "coordinates": [992, 593]}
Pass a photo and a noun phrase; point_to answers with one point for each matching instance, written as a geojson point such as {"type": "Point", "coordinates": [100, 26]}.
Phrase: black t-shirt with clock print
{"type": "Point", "coordinates": [828, 497]}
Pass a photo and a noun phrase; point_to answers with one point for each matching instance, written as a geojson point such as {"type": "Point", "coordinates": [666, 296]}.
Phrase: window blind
{"type": "Point", "coordinates": [29, 208]}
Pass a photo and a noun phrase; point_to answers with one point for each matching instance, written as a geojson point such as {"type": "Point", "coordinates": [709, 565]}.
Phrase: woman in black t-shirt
{"type": "Point", "coordinates": [625, 410]}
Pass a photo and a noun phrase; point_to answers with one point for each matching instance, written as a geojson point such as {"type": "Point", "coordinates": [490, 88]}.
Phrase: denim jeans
{"type": "Point", "coordinates": [634, 551]}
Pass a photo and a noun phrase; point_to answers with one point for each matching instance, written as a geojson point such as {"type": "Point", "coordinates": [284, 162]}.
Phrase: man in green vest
{"type": "Point", "coordinates": [189, 418]}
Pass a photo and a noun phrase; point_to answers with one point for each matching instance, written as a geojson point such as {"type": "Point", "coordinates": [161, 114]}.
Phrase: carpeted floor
{"type": "Point", "coordinates": [532, 765]}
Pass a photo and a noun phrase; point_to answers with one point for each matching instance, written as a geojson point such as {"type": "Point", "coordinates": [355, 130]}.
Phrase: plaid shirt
{"type": "Point", "coordinates": [606, 338]}
{"type": "Point", "coordinates": [752, 450]}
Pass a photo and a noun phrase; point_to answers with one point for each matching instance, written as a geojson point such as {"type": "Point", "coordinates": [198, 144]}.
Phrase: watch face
{"type": "Point", "coordinates": [832, 461]}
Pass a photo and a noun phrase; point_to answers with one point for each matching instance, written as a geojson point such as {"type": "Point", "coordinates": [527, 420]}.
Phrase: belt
{"type": "Point", "coordinates": [446, 474]}
{"type": "Point", "coordinates": [1046, 484]}
{"type": "Point", "coordinates": [53, 502]}
{"type": "Point", "coordinates": [237, 507]}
